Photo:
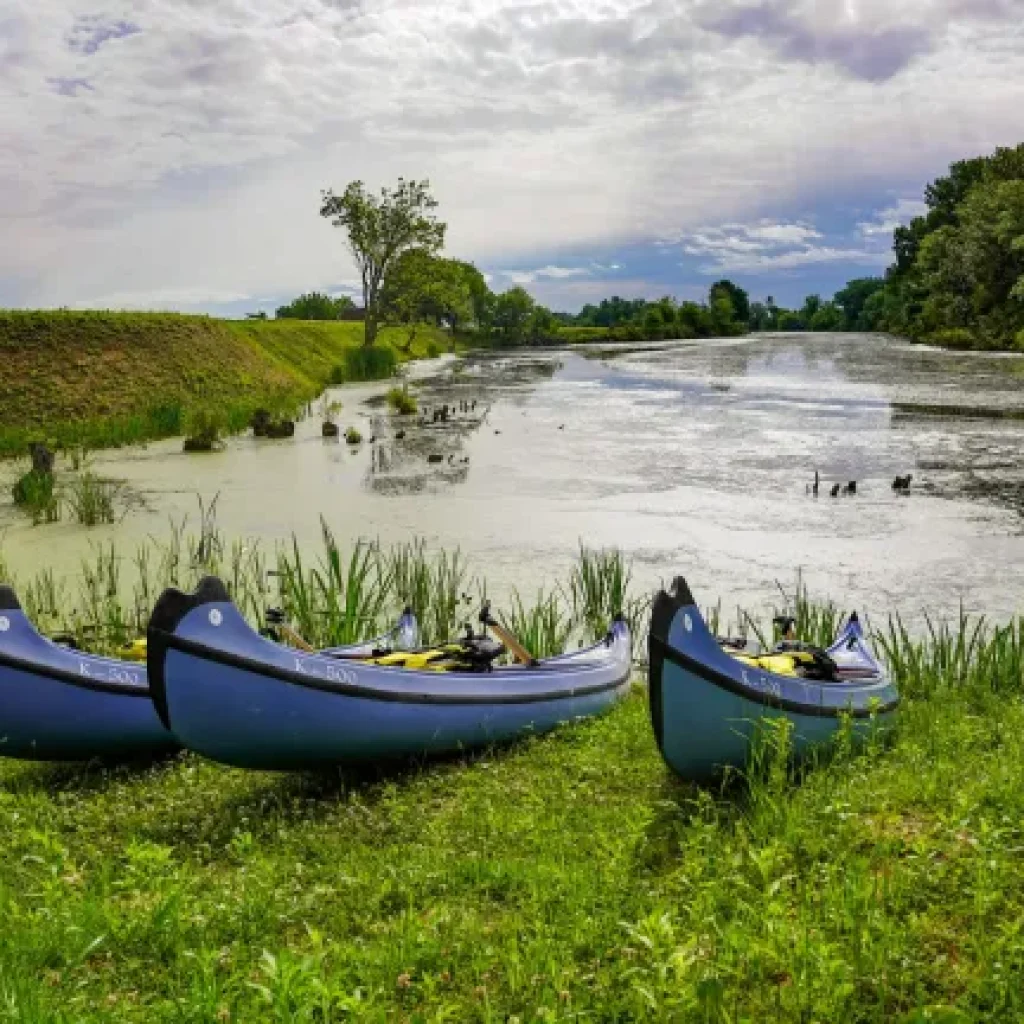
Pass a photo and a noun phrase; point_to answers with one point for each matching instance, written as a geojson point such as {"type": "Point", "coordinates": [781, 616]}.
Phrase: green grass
{"type": "Point", "coordinates": [103, 379]}
{"type": "Point", "coordinates": [566, 878]}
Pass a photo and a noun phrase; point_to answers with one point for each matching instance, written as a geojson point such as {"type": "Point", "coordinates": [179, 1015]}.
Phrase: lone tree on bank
{"type": "Point", "coordinates": [380, 228]}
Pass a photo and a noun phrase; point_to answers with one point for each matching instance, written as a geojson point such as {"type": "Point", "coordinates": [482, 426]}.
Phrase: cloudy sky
{"type": "Point", "coordinates": [170, 153]}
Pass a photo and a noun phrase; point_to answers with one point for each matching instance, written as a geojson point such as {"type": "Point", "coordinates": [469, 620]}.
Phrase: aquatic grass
{"type": "Point", "coordinates": [599, 590]}
{"type": "Point", "coordinates": [91, 499]}
{"type": "Point", "coordinates": [205, 426]}
{"type": "Point", "coordinates": [545, 627]}
{"type": "Point", "coordinates": [38, 494]}
{"type": "Point", "coordinates": [967, 654]}
{"type": "Point", "coordinates": [353, 592]}
{"type": "Point", "coordinates": [365, 363]}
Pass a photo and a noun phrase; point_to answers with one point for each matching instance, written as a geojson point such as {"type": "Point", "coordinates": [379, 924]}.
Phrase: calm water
{"type": "Point", "coordinates": [695, 458]}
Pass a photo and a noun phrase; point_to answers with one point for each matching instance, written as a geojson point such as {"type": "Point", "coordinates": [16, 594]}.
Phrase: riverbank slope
{"type": "Point", "coordinates": [101, 379]}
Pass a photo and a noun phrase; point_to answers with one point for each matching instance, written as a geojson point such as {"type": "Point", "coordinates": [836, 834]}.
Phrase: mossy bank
{"type": "Point", "coordinates": [106, 378]}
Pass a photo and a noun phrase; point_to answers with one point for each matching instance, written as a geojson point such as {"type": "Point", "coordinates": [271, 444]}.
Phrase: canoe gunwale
{"type": "Point", "coordinates": [171, 641]}
{"type": "Point", "coordinates": [666, 652]}
{"type": "Point", "coordinates": [60, 675]}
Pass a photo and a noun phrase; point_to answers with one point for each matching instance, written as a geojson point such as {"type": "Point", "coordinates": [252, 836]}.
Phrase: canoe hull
{"type": "Point", "coordinates": [709, 712]}
{"type": "Point", "coordinates": [236, 698]}
{"type": "Point", "coordinates": [63, 705]}
{"type": "Point", "coordinates": [281, 727]}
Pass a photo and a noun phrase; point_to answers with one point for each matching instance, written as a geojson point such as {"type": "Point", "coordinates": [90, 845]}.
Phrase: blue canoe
{"type": "Point", "coordinates": [57, 704]}
{"type": "Point", "coordinates": [706, 705]}
{"type": "Point", "coordinates": [235, 697]}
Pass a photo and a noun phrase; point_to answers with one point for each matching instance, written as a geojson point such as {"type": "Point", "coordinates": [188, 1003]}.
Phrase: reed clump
{"type": "Point", "coordinates": [91, 499]}
{"type": "Point", "coordinates": [38, 495]}
{"type": "Point", "coordinates": [402, 402]}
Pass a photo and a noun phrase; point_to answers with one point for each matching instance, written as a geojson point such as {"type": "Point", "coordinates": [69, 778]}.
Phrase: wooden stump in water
{"type": "Point", "coordinates": [330, 429]}
{"type": "Point", "coordinates": [260, 422]}
{"type": "Point", "coordinates": [42, 459]}
{"type": "Point", "coordinates": [199, 444]}
{"type": "Point", "coordinates": [283, 428]}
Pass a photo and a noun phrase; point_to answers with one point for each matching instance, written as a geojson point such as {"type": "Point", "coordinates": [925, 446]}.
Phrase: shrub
{"type": "Point", "coordinates": [432, 350]}
{"type": "Point", "coordinates": [353, 436]}
{"type": "Point", "coordinates": [953, 337]}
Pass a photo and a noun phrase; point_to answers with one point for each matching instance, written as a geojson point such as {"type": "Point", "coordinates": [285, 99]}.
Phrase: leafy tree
{"type": "Point", "coordinates": [811, 306]}
{"type": "Point", "coordinates": [380, 228]}
{"type": "Point", "coordinates": [739, 299]}
{"type": "Point", "coordinates": [481, 298]}
{"type": "Point", "coordinates": [853, 301]}
{"type": "Point", "coordinates": [512, 312]}
{"type": "Point", "coordinates": [829, 317]}
{"type": "Point", "coordinates": [654, 324]}
{"type": "Point", "coordinates": [315, 306]}
{"type": "Point", "coordinates": [790, 321]}
{"type": "Point", "coordinates": [421, 288]}
{"type": "Point", "coordinates": [543, 325]}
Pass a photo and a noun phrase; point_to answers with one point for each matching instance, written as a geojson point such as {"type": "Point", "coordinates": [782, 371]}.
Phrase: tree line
{"type": "Point", "coordinates": [957, 278]}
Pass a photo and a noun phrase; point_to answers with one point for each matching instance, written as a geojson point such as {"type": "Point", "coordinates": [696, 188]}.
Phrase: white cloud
{"type": "Point", "coordinates": [763, 263]}
{"type": "Point", "coordinates": [550, 273]}
{"type": "Point", "coordinates": [765, 247]}
{"type": "Point", "coordinates": [178, 147]}
{"type": "Point", "coordinates": [886, 221]}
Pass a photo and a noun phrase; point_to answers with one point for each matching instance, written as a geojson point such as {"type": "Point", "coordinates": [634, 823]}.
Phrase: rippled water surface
{"type": "Point", "coordinates": [694, 457]}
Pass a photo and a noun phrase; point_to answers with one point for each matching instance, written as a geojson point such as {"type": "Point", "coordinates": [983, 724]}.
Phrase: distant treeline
{"type": "Point", "coordinates": [463, 303]}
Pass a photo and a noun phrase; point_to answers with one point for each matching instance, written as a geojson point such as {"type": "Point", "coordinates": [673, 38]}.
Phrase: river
{"type": "Point", "coordinates": [694, 457]}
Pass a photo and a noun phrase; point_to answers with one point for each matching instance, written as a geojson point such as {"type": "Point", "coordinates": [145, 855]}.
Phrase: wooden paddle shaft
{"type": "Point", "coordinates": [517, 649]}
{"type": "Point", "coordinates": [296, 641]}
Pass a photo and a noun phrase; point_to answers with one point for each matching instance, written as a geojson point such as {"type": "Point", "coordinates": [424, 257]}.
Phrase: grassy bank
{"type": "Point", "coordinates": [101, 378]}
{"type": "Point", "coordinates": [568, 878]}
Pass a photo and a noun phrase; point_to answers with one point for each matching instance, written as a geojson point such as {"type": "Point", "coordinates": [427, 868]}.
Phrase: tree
{"type": "Point", "coordinates": [694, 321]}
{"type": "Point", "coordinates": [811, 306]}
{"type": "Point", "coordinates": [543, 325]}
{"type": "Point", "coordinates": [380, 228]}
{"type": "Point", "coordinates": [512, 312]}
{"type": "Point", "coordinates": [481, 298]}
{"type": "Point", "coordinates": [315, 306]}
{"type": "Point", "coordinates": [737, 296]}
{"type": "Point", "coordinates": [853, 301]}
{"type": "Point", "coordinates": [654, 323]}
{"type": "Point", "coordinates": [829, 317]}
{"type": "Point", "coordinates": [421, 288]}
